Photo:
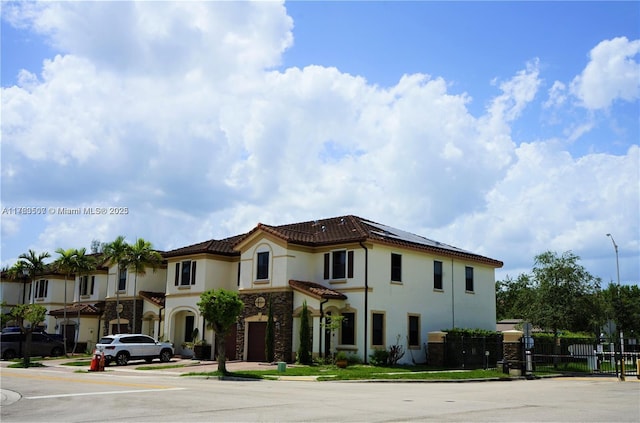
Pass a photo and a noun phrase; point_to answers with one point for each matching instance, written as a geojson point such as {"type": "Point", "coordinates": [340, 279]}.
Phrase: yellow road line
{"type": "Point", "coordinates": [68, 379]}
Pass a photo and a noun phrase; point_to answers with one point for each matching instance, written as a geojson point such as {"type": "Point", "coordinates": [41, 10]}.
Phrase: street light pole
{"type": "Point", "coordinates": [615, 247]}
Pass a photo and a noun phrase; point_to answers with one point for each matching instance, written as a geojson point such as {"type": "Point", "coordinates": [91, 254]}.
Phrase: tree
{"type": "Point", "coordinates": [269, 336]}
{"type": "Point", "coordinates": [220, 309]}
{"type": "Point", "coordinates": [65, 263]}
{"type": "Point", "coordinates": [623, 306]}
{"type": "Point", "coordinates": [564, 293]}
{"type": "Point", "coordinates": [304, 354]}
{"type": "Point", "coordinates": [138, 257]}
{"type": "Point", "coordinates": [32, 314]}
{"type": "Point", "coordinates": [116, 252]}
{"type": "Point", "coordinates": [83, 265]}
{"type": "Point", "coordinates": [34, 264]}
{"type": "Point", "coordinates": [514, 297]}
{"type": "Point", "coordinates": [19, 272]}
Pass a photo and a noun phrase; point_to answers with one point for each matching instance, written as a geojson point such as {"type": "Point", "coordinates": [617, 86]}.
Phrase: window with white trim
{"type": "Point", "coordinates": [42, 286]}
{"type": "Point", "coordinates": [468, 273]}
{"type": "Point", "coordinates": [396, 267]}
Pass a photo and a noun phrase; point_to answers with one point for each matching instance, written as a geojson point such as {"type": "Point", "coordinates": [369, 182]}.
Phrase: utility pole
{"type": "Point", "coordinates": [615, 247]}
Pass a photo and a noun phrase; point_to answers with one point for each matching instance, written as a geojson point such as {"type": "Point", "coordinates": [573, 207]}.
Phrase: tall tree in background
{"type": "Point", "coordinates": [34, 264]}
{"type": "Point", "coordinates": [304, 354]}
{"type": "Point", "coordinates": [565, 293]}
{"type": "Point", "coordinates": [514, 297]}
{"type": "Point", "coordinates": [220, 309]}
{"type": "Point", "coordinates": [138, 257]}
{"type": "Point", "coordinates": [116, 252]}
{"type": "Point", "coordinates": [19, 272]}
{"type": "Point", "coordinates": [82, 266]}
{"type": "Point", "coordinates": [623, 307]}
{"type": "Point", "coordinates": [65, 263]}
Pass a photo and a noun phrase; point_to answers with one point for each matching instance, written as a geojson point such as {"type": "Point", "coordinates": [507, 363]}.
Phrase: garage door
{"type": "Point", "coordinates": [256, 335]}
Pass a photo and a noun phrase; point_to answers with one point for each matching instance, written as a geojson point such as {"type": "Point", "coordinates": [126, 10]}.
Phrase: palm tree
{"type": "Point", "coordinates": [116, 252]}
{"type": "Point", "coordinates": [65, 263]}
{"type": "Point", "coordinates": [18, 272]}
{"type": "Point", "coordinates": [83, 264]}
{"type": "Point", "coordinates": [140, 256]}
{"type": "Point", "coordinates": [34, 264]}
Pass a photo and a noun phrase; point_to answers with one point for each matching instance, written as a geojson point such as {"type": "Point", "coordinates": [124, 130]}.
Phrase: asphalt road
{"type": "Point", "coordinates": [125, 395]}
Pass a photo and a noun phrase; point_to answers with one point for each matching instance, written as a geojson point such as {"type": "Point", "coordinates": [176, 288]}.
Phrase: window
{"type": "Point", "coordinates": [468, 271]}
{"type": "Point", "coordinates": [85, 287]}
{"type": "Point", "coordinates": [338, 264]}
{"type": "Point", "coordinates": [186, 276]}
{"type": "Point", "coordinates": [262, 271]}
{"type": "Point", "coordinates": [437, 275]}
{"type": "Point", "coordinates": [122, 280]}
{"type": "Point", "coordinates": [348, 329]}
{"type": "Point", "coordinates": [414, 331]}
{"type": "Point", "coordinates": [396, 267]}
{"type": "Point", "coordinates": [238, 282]}
{"type": "Point", "coordinates": [42, 286]}
{"type": "Point", "coordinates": [377, 329]}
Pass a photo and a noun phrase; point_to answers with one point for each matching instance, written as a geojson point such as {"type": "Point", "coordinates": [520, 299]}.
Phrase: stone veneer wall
{"type": "Point", "coordinates": [282, 303]}
{"type": "Point", "coordinates": [127, 312]}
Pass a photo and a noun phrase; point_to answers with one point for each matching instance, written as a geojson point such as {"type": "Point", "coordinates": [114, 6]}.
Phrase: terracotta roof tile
{"type": "Point", "coordinates": [156, 298]}
{"type": "Point", "coordinates": [212, 246]}
{"type": "Point", "coordinates": [316, 290]}
{"type": "Point", "coordinates": [80, 308]}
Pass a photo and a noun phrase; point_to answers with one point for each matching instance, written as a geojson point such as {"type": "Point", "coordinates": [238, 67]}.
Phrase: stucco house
{"type": "Point", "coordinates": [389, 287]}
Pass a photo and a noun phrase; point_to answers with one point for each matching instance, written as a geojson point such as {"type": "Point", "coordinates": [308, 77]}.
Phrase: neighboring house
{"type": "Point", "coordinates": [84, 312]}
{"type": "Point", "coordinates": [192, 270]}
{"type": "Point", "coordinates": [390, 287]}
{"type": "Point", "coordinates": [49, 291]}
{"type": "Point", "coordinates": [123, 288]}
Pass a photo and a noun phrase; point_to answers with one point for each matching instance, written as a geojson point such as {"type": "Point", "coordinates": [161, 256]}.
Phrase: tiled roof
{"type": "Point", "coordinates": [343, 229]}
{"type": "Point", "coordinates": [332, 231]}
{"type": "Point", "coordinates": [222, 247]}
{"type": "Point", "coordinates": [82, 309]}
{"type": "Point", "coordinates": [316, 290]}
{"type": "Point", "coordinates": [156, 298]}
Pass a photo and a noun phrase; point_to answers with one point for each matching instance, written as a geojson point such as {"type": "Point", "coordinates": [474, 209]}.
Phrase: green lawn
{"type": "Point", "coordinates": [365, 372]}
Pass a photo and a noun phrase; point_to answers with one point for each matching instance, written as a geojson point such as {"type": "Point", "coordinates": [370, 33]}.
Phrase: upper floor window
{"type": "Point", "coordinates": [122, 279]}
{"type": "Point", "coordinates": [437, 275]}
{"type": "Point", "coordinates": [238, 281]}
{"type": "Point", "coordinates": [468, 272]}
{"type": "Point", "coordinates": [377, 329]}
{"type": "Point", "coordinates": [262, 269]}
{"type": "Point", "coordinates": [185, 273]}
{"type": "Point", "coordinates": [338, 264]}
{"type": "Point", "coordinates": [87, 285]}
{"type": "Point", "coordinates": [396, 267]}
{"type": "Point", "coordinates": [42, 286]}
{"type": "Point", "coordinates": [348, 329]}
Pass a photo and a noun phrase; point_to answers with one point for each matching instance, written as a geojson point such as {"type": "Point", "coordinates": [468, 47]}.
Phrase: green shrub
{"type": "Point", "coordinates": [379, 357]}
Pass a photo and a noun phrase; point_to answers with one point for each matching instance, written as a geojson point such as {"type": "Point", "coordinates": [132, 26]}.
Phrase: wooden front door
{"type": "Point", "coordinates": [256, 336]}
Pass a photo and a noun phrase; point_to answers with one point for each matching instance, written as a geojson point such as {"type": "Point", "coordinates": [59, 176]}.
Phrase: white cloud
{"type": "Point", "coordinates": [209, 141]}
{"type": "Point", "coordinates": [612, 73]}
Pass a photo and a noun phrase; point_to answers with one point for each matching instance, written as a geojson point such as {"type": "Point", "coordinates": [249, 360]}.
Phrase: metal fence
{"type": "Point", "coordinates": [582, 356]}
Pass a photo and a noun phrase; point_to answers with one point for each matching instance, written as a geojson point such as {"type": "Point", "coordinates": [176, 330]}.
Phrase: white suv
{"type": "Point", "coordinates": [125, 347]}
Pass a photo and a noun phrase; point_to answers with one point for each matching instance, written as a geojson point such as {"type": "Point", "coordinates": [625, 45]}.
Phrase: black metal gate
{"type": "Point", "coordinates": [585, 356]}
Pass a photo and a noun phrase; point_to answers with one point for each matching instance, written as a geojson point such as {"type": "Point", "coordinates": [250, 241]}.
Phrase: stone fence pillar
{"type": "Point", "coordinates": [512, 351]}
{"type": "Point", "coordinates": [435, 348]}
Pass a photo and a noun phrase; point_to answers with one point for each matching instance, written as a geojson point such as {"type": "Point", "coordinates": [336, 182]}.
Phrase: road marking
{"type": "Point", "coordinates": [84, 394]}
{"type": "Point", "coordinates": [68, 379]}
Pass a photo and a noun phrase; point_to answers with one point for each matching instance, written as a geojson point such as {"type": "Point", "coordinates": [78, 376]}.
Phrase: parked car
{"type": "Point", "coordinates": [42, 345]}
{"type": "Point", "coordinates": [124, 347]}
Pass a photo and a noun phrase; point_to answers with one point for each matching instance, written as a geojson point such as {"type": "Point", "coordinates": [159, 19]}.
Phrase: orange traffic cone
{"type": "Point", "coordinates": [101, 364]}
{"type": "Point", "coordinates": [95, 363]}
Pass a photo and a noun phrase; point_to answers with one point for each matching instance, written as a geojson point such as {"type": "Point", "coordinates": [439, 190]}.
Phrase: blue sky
{"type": "Point", "coordinates": [506, 128]}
